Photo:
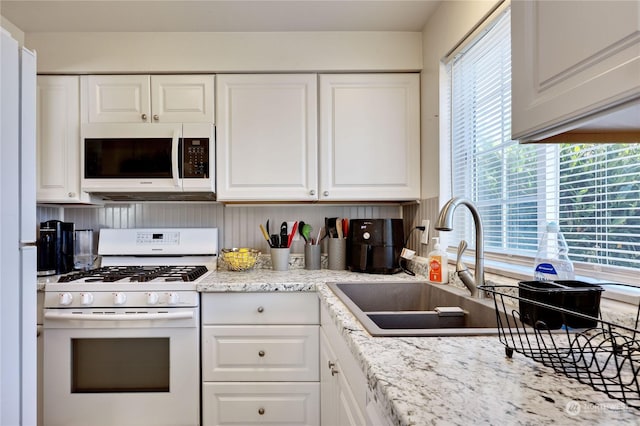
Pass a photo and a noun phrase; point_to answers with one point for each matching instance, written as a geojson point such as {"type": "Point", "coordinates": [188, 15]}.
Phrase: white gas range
{"type": "Point", "coordinates": [121, 342]}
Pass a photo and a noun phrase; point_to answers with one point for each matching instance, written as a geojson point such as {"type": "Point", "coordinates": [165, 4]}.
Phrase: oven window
{"type": "Point", "coordinates": [120, 365]}
{"type": "Point", "coordinates": [127, 158]}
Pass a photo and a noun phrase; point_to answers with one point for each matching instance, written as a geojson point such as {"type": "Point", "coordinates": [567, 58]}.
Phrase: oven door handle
{"type": "Point", "coordinates": [119, 317]}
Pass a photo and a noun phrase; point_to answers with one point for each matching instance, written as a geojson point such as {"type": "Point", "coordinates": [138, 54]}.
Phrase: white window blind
{"type": "Point", "coordinates": [592, 191]}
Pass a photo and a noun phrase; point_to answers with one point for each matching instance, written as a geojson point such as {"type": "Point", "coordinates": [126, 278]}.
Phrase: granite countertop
{"type": "Point", "coordinates": [436, 380]}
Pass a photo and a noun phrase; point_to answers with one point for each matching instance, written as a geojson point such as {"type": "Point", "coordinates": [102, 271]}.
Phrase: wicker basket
{"type": "Point", "coordinates": [239, 259]}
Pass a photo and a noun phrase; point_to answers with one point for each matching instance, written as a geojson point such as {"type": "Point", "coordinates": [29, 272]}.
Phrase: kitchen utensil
{"type": "Point", "coordinates": [269, 233]}
{"type": "Point", "coordinates": [301, 231]}
{"type": "Point", "coordinates": [345, 227]}
{"type": "Point", "coordinates": [330, 224]}
{"type": "Point", "coordinates": [292, 234]}
{"type": "Point", "coordinates": [284, 234]}
{"type": "Point", "coordinates": [305, 230]}
{"type": "Point", "coordinates": [339, 227]}
{"type": "Point", "coordinates": [275, 240]}
{"type": "Point", "coordinates": [265, 234]}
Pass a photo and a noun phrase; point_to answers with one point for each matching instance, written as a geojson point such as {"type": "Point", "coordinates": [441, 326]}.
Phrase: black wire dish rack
{"type": "Point", "coordinates": [599, 353]}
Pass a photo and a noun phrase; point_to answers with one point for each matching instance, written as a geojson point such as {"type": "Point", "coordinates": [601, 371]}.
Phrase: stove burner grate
{"type": "Point", "coordinates": [109, 274]}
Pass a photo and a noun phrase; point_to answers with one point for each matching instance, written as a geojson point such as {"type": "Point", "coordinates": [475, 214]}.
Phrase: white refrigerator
{"type": "Point", "coordinates": [18, 257]}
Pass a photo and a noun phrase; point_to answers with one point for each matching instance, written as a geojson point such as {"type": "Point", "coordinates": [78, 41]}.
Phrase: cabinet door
{"type": "Point", "coordinates": [260, 404]}
{"type": "Point", "coordinates": [118, 99]}
{"type": "Point", "coordinates": [370, 137]}
{"type": "Point", "coordinates": [266, 137]}
{"type": "Point", "coordinates": [182, 98]}
{"type": "Point", "coordinates": [58, 140]}
{"type": "Point", "coordinates": [338, 405]}
{"type": "Point", "coordinates": [571, 60]}
{"type": "Point", "coordinates": [328, 383]}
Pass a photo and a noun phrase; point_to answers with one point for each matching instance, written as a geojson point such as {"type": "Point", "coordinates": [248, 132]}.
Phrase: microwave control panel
{"type": "Point", "coordinates": [196, 156]}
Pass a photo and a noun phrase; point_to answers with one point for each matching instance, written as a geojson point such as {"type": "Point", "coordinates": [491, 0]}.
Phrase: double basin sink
{"type": "Point", "coordinates": [416, 309]}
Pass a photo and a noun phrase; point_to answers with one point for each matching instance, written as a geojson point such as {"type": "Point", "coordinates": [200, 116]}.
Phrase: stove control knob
{"type": "Point", "coordinates": [119, 298]}
{"type": "Point", "coordinates": [152, 298]}
{"type": "Point", "coordinates": [173, 298]}
{"type": "Point", "coordinates": [65, 299]}
{"type": "Point", "coordinates": [86, 298]}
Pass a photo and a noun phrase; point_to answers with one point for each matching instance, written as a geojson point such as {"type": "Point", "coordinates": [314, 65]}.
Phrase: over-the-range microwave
{"type": "Point", "coordinates": [148, 161]}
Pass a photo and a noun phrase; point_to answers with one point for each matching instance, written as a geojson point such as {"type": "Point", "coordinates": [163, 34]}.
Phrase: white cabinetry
{"type": "Point", "coordinates": [147, 99]}
{"type": "Point", "coordinates": [572, 61]}
{"type": "Point", "coordinates": [260, 358]}
{"type": "Point", "coordinates": [267, 137]}
{"type": "Point", "coordinates": [58, 140]}
{"type": "Point", "coordinates": [343, 386]}
{"type": "Point", "coordinates": [369, 137]}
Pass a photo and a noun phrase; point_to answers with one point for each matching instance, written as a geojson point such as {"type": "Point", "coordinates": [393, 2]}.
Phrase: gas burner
{"type": "Point", "coordinates": [109, 274]}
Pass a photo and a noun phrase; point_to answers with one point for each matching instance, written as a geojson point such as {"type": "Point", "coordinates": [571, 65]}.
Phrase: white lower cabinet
{"type": "Point", "coordinates": [343, 387]}
{"type": "Point", "coordinates": [260, 357]}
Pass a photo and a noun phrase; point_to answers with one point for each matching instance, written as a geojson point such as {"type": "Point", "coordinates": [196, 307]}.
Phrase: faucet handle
{"type": "Point", "coordinates": [460, 266]}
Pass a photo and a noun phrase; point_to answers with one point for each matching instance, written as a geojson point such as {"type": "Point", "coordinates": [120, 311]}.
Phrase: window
{"type": "Point", "coordinates": [592, 191]}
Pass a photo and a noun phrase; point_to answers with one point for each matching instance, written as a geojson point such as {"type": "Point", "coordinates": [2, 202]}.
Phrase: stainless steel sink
{"type": "Point", "coordinates": [416, 309]}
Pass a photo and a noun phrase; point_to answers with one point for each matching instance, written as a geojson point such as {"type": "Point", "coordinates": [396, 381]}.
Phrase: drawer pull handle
{"type": "Point", "coordinates": [261, 354]}
{"type": "Point", "coordinates": [261, 411]}
{"type": "Point", "coordinates": [260, 309]}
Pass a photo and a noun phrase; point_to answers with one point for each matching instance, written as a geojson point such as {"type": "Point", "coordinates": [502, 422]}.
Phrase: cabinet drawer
{"type": "Point", "coordinates": [260, 353]}
{"type": "Point", "coordinates": [261, 403]}
{"type": "Point", "coordinates": [260, 308]}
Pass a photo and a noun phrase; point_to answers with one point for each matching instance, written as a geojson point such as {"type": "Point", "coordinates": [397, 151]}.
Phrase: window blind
{"type": "Point", "coordinates": [592, 191]}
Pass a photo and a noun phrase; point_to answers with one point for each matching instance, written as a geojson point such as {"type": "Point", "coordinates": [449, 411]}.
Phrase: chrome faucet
{"type": "Point", "coordinates": [445, 223]}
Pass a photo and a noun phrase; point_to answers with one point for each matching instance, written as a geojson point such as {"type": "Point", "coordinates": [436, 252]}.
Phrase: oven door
{"type": "Point", "coordinates": [121, 368]}
{"type": "Point", "coordinates": [131, 157]}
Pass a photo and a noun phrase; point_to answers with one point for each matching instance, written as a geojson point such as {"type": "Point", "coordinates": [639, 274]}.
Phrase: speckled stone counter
{"type": "Point", "coordinates": [435, 380]}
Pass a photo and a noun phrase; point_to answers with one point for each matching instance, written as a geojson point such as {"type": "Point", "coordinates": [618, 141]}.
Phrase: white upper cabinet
{"type": "Point", "coordinates": [369, 137]}
{"type": "Point", "coordinates": [266, 137]}
{"type": "Point", "coordinates": [58, 140]}
{"type": "Point", "coordinates": [572, 61]}
{"type": "Point", "coordinates": [149, 99]}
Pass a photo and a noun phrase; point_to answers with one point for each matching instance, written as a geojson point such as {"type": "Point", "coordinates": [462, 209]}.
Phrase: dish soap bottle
{"type": "Point", "coordinates": [438, 264]}
{"type": "Point", "coordinates": [552, 260]}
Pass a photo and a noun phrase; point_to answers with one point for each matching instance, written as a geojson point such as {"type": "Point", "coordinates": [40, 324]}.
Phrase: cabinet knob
{"type": "Point", "coordinates": [71, 194]}
{"type": "Point", "coordinates": [156, 117]}
{"type": "Point", "coordinates": [261, 411]}
{"type": "Point", "coordinates": [261, 354]}
{"type": "Point", "coordinates": [312, 192]}
{"type": "Point", "coordinates": [325, 193]}
{"type": "Point", "coordinates": [144, 117]}
{"type": "Point", "coordinates": [260, 309]}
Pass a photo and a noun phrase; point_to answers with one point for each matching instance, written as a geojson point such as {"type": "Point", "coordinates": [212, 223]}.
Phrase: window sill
{"type": "Point", "coordinates": [509, 274]}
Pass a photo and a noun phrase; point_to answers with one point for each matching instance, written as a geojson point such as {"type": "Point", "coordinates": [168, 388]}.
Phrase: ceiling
{"type": "Point", "coordinates": [217, 16]}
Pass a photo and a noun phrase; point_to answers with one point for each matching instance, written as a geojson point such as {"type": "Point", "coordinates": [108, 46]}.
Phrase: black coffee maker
{"type": "Point", "coordinates": [55, 247]}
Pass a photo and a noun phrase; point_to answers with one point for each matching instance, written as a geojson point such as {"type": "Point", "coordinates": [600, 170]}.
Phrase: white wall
{"type": "Point", "coordinates": [226, 52]}
{"type": "Point", "coordinates": [444, 30]}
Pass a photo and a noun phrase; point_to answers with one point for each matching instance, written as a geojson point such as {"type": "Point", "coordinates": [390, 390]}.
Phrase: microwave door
{"type": "Point", "coordinates": [136, 158]}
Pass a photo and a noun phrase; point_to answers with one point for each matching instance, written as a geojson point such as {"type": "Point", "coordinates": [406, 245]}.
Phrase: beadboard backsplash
{"type": "Point", "coordinates": [238, 225]}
